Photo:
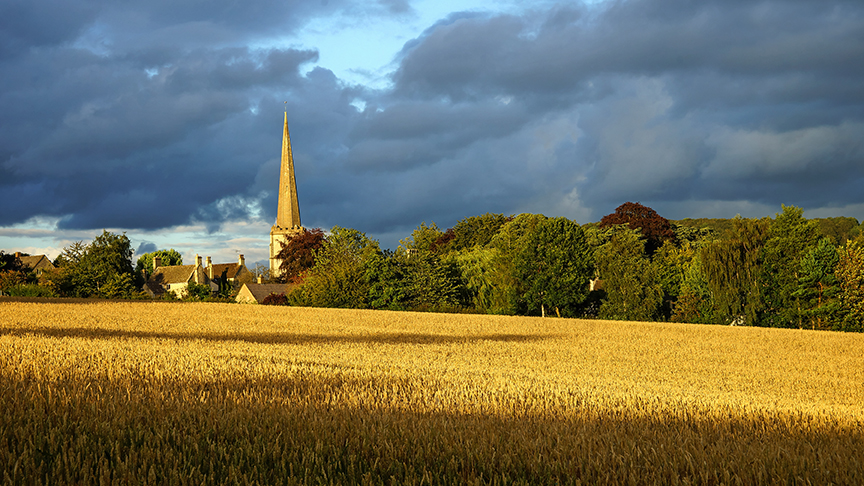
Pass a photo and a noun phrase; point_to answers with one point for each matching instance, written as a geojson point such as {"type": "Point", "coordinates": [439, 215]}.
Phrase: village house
{"type": "Point", "coordinates": [176, 278]}
{"type": "Point", "coordinates": [37, 264]}
{"type": "Point", "coordinates": [255, 293]}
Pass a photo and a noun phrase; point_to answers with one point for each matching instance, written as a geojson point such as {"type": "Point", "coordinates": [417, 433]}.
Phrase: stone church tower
{"type": "Point", "coordinates": [288, 215]}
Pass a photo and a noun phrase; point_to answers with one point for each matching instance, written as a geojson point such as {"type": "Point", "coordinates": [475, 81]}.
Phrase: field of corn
{"type": "Point", "coordinates": [185, 393]}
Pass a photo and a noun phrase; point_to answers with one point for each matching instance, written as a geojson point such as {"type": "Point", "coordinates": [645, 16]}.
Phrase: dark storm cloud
{"type": "Point", "coordinates": [157, 114]}
{"type": "Point", "coordinates": [674, 100]}
{"type": "Point", "coordinates": [115, 120]}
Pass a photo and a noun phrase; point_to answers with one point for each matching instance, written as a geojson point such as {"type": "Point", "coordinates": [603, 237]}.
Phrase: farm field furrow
{"type": "Point", "coordinates": [186, 393]}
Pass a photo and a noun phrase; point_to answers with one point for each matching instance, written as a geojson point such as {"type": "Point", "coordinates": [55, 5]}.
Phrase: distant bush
{"type": "Point", "coordinates": [275, 299]}
{"type": "Point", "coordinates": [30, 290]}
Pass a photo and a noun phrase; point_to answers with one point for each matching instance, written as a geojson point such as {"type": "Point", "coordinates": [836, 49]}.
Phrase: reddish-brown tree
{"type": "Point", "coordinates": [298, 254]}
{"type": "Point", "coordinates": [655, 228]}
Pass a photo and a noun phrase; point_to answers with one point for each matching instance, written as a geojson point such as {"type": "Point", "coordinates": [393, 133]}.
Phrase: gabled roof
{"type": "Point", "coordinates": [172, 274]}
{"type": "Point", "coordinates": [260, 291]}
{"type": "Point", "coordinates": [36, 262]}
{"type": "Point", "coordinates": [231, 269]}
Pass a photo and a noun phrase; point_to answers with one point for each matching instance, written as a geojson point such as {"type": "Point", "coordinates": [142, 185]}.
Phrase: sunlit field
{"type": "Point", "coordinates": [185, 393]}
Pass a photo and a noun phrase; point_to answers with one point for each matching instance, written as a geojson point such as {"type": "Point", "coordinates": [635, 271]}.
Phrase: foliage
{"type": "Point", "coordinates": [790, 237]}
{"type": "Point", "coordinates": [195, 291]}
{"type": "Point", "coordinates": [817, 286]}
{"type": "Point", "coordinates": [695, 237]}
{"type": "Point", "coordinates": [716, 226]}
{"type": "Point", "coordinates": [298, 254]}
{"type": "Point", "coordinates": [694, 304]}
{"type": "Point", "coordinates": [10, 279]}
{"type": "Point", "coordinates": [167, 258]}
{"type": "Point", "coordinates": [9, 262]}
{"type": "Point", "coordinates": [732, 268]}
{"type": "Point", "coordinates": [476, 270]}
{"type": "Point", "coordinates": [554, 266]}
{"type": "Point", "coordinates": [275, 299]}
{"type": "Point", "coordinates": [428, 282]}
{"type": "Point", "coordinates": [29, 290]}
{"type": "Point", "coordinates": [339, 277]}
{"type": "Point", "coordinates": [655, 228]}
{"type": "Point", "coordinates": [503, 274]}
{"type": "Point", "coordinates": [837, 229]}
{"type": "Point", "coordinates": [470, 232]}
{"type": "Point", "coordinates": [633, 290]}
{"type": "Point", "coordinates": [261, 271]}
{"type": "Point", "coordinates": [850, 279]}
{"type": "Point", "coordinates": [422, 238]}
{"type": "Point", "coordinates": [97, 269]}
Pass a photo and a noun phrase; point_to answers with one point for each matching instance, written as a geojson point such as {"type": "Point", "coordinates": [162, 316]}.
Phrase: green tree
{"type": "Point", "coordinates": [429, 282]}
{"type": "Point", "coordinates": [850, 280]}
{"type": "Point", "coordinates": [144, 265]}
{"type": "Point", "coordinates": [817, 286]}
{"type": "Point", "coordinates": [554, 266]}
{"type": "Point", "coordinates": [422, 238]}
{"type": "Point", "coordinates": [790, 238]}
{"type": "Point", "coordinates": [732, 268]}
{"type": "Point", "coordinates": [507, 289]}
{"type": "Point", "coordinates": [838, 229]}
{"type": "Point", "coordinates": [671, 263]}
{"type": "Point", "coordinates": [476, 271]}
{"type": "Point", "coordinates": [340, 276]}
{"type": "Point", "coordinates": [197, 292]}
{"type": "Point", "coordinates": [470, 232]}
{"type": "Point", "coordinates": [631, 283]}
{"type": "Point", "coordinates": [694, 304]}
{"type": "Point", "coordinates": [101, 269]}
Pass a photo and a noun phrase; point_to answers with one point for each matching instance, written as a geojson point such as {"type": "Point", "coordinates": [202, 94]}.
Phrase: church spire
{"type": "Point", "coordinates": [288, 214]}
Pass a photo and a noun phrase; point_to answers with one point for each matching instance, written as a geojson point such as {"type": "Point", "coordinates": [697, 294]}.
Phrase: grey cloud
{"type": "Point", "coordinates": [719, 106]}
{"type": "Point", "coordinates": [783, 77]}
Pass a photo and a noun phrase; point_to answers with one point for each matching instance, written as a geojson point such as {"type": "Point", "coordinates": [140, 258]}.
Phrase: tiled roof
{"type": "Point", "coordinates": [260, 291]}
{"type": "Point", "coordinates": [231, 269]}
{"type": "Point", "coordinates": [171, 275]}
{"type": "Point", "coordinates": [36, 262]}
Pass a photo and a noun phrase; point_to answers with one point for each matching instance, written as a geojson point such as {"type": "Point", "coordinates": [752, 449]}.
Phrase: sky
{"type": "Point", "coordinates": [163, 119]}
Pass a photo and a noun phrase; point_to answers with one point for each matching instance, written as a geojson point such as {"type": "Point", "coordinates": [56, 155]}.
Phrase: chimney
{"type": "Point", "coordinates": [18, 254]}
{"type": "Point", "coordinates": [157, 262]}
{"type": "Point", "coordinates": [209, 269]}
{"type": "Point", "coordinates": [197, 259]}
{"type": "Point", "coordinates": [260, 279]}
{"type": "Point", "coordinates": [209, 262]}
{"type": "Point", "coordinates": [241, 260]}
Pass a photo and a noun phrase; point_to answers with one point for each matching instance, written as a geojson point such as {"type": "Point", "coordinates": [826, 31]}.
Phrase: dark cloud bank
{"type": "Point", "coordinates": [151, 117]}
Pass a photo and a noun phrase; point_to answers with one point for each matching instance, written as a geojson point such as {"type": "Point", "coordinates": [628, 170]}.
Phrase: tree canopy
{"type": "Point", "coordinates": [102, 268]}
{"type": "Point", "coordinates": [297, 255]}
{"type": "Point", "coordinates": [655, 228]}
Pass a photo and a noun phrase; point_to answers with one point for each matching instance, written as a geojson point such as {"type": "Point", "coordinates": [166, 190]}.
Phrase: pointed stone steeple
{"type": "Point", "coordinates": [288, 215]}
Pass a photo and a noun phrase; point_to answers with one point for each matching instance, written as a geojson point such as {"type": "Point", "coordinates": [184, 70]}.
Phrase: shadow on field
{"type": "Point", "coordinates": [319, 429]}
{"type": "Point", "coordinates": [272, 338]}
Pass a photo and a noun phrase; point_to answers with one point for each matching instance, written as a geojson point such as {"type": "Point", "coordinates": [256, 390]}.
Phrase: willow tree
{"type": "Point", "coordinates": [732, 269]}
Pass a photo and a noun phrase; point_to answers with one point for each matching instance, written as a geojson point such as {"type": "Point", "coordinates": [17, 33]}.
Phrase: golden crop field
{"type": "Point", "coordinates": [185, 393]}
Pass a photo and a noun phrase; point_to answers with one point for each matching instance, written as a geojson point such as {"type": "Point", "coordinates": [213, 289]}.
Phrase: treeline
{"type": "Point", "coordinates": [99, 269]}
{"type": "Point", "coordinates": [786, 271]}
